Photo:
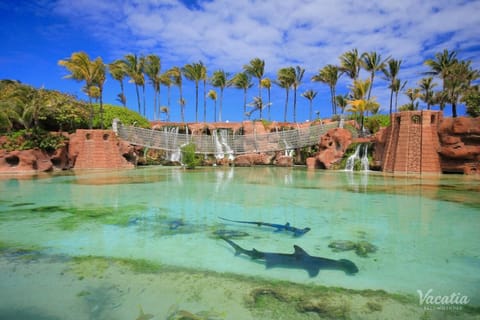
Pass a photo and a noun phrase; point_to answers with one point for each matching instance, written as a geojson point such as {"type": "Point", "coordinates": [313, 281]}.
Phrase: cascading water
{"type": "Point", "coordinates": [356, 156]}
{"type": "Point", "coordinates": [218, 146]}
{"type": "Point", "coordinates": [364, 160]}
{"type": "Point", "coordinates": [221, 145]}
{"type": "Point", "coordinates": [226, 147]}
{"type": "Point", "coordinates": [172, 136]}
{"type": "Point", "coordinates": [351, 160]}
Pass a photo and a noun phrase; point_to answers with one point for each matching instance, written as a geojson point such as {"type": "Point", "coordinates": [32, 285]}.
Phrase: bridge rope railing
{"type": "Point", "coordinates": [223, 140]}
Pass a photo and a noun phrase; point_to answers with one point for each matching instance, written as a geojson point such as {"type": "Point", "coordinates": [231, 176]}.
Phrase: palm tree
{"type": "Point", "coordinates": [299, 72]}
{"type": "Point", "coordinates": [310, 95]}
{"type": "Point", "coordinates": [118, 72]}
{"type": "Point", "coordinates": [257, 104]}
{"type": "Point", "coordinates": [195, 72]}
{"type": "Point", "coordinates": [167, 82]}
{"type": "Point", "coordinates": [413, 94]}
{"type": "Point", "coordinates": [212, 94]}
{"type": "Point", "coordinates": [255, 69]}
{"type": "Point", "coordinates": [457, 79]}
{"type": "Point", "coordinates": [391, 71]}
{"type": "Point", "coordinates": [81, 68]}
{"type": "Point", "coordinates": [219, 80]}
{"type": "Point", "coordinates": [166, 111]}
{"type": "Point", "coordinates": [329, 75]}
{"type": "Point", "coordinates": [204, 79]}
{"type": "Point", "coordinates": [267, 83]}
{"type": "Point", "coordinates": [359, 102]}
{"type": "Point", "coordinates": [350, 64]}
{"type": "Point", "coordinates": [440, 65]}
{"type": "Point", "coordinates": [242, 81]}
{"type": "Point", "coordinates": [398, 86]}
{"type": "Point", "coordinates": [285, 79]}
{"type": "Point", "coordinates": [152, 68]}
{"type": "Point", "coordinates": [342, 101]}
{"type": "Point", "coordinates": [134, 69]}
{"type": "Point", "coordinates": [372, 62]}
{"type": "Point", "coordinates": [176, 75]}
{"type": "Point", "coordinates": [426, 86]}
{"type": "Point", "coordinates": [99, 77]}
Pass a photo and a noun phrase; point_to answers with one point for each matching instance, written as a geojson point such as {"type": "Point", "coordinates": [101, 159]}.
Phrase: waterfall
{"type": "Point", "coordinates": [363, 158]}
{"type": "Point", "coordinates": [223, 140]}
{"type": "Point", "coordinates": [221, 144]}
{"type": "Point", "coordinates": [218, 146]}
{"type": "Point", "coordinates": [351, 160]}
{"type": "Point", "coordinates": [171, 137]}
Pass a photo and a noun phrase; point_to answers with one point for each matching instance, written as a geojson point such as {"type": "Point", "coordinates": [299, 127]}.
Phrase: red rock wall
{"type": "Point", "coordinates": [96, 149]}
{"type": "Point", "coordinates": [460, 145]}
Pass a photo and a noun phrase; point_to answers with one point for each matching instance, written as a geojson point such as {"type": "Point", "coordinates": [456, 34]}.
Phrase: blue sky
{"type": "Point", "coordinates": [228, 34]}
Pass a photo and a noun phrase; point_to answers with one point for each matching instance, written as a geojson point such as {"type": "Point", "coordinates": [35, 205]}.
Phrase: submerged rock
{"type": "Point", "coordinates": [362, 248]}
{"type": "Point", "coordinates": [342, 245]}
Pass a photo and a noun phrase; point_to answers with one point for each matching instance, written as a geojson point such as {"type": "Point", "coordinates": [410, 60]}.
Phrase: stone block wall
{"type": "Point", "coordinates": [96, 149]}
{"type": "Point", "coordinates": [412, 142]}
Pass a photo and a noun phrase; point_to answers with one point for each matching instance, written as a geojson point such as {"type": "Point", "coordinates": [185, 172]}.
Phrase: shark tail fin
{"type": "Point", "coordinates": [238, 250]}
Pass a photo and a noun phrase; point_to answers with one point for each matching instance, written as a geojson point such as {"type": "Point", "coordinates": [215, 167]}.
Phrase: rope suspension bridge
{"type": "Point", "coordinates": [224, 140]}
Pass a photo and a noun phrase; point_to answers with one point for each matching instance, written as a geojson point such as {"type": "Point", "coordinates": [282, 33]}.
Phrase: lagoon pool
{"type": "Point", "coordinates": [143, 244]}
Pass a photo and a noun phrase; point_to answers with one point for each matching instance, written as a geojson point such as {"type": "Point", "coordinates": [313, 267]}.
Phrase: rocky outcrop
{"type": "Point", "coordinates": [33, 160]}
{"type": "Point", "coordinates": [252, 159]}
{"type": "Point", "coordinates": [460, 145]}
{"type": "Point", "coordinates": [283, 161]}
{"type": "Point", "coordinates": [332, 147]}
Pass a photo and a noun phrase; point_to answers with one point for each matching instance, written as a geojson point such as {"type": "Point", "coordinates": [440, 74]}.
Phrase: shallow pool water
{"type": "Point", "coordinates": [425, 231]}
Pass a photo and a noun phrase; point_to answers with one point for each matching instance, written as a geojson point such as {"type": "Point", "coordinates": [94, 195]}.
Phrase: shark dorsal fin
{"type": "Point", "coordinates": [299, 251]}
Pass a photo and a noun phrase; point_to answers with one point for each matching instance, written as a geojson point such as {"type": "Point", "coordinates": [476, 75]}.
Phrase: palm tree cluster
{"type": "Point", "coordinates": [457, 77]}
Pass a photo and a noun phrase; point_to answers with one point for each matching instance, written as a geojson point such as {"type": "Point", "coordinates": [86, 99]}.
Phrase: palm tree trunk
{"type": "Point", "coordinates": [311, 110]}
{"type": "Point", "coordinates": [196, 101]}
{"type": "Point", "coordinates": [391, 100]}
{"type": "Point", "coordinates": [334, 95]}
{"type": "Point", "coordinates": [245, 102]}
{"type": "Point", "coordinates": [221, 105]}
{"type": "Point", "coordinates": [269, 104]}
{"type": "Point", "coordinates": [101, 109]}
{"type": "Point", "coordinates": [144, 104]}
{"type": "Point", "coordinates": [182, 106]}
{"type": "Point", "coordinates": [155, 105]}
{"type": "Point", "coordinates": [286, 106]}
{"type": "Point", "coordinates": [122, 89]}
{"type": "Point", "coordinates": [138, 98]}
{"type": "Point", "coordinates": [295, 104]}
{"type": "Point", "coordinates": [333, 100]}
{"type": "Point", "coordinates": [90, 125]}
{"type": "Point", "coordinates": [204, 101]}
{"type": "Point", "coordinates": [371, 85]}
{"type": "Point", "coordinates": [454, 109]}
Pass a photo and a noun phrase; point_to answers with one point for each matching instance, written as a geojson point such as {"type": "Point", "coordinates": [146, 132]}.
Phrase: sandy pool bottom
{"type": "Point", "coordinates": [38, 286]}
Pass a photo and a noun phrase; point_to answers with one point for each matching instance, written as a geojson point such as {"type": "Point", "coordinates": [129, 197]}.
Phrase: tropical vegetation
{"type": "Point", "coordinates": [449, 81]}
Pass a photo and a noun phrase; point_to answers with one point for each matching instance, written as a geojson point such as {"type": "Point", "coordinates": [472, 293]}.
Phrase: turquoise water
{"type": "Point", "coordinates": [425, 229]}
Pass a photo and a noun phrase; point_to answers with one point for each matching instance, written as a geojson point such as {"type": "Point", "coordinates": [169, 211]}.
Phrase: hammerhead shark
{"type": "Point", "coordinates": [280, 227]}
{"type": "Point", "coordinates": [300, 259]}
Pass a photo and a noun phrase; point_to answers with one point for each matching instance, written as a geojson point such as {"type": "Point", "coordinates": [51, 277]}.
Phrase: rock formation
{"type": "Point", "coordinates": [332, 147]}
{"type": "Point", "coordinates": [460, 145]}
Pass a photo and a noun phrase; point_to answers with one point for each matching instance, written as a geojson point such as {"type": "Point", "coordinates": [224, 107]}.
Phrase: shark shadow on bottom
{"type": "Point", "coordinates": [299, 259]}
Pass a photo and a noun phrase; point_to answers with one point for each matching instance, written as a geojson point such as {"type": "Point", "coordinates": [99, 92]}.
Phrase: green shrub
{"type": "Point", "coordinates": [189, 158]}
{"type": "Point", "coordinates": [377, 121]}
{"type": "Point", "coordinates": [33, 138]}
{"type": "Point", "coordinates": [127, 117]}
